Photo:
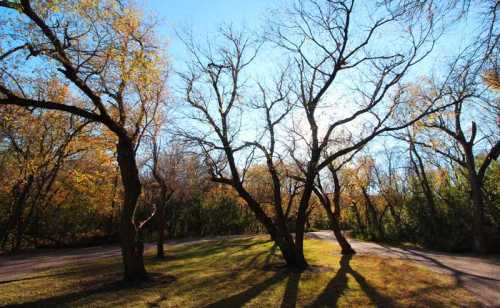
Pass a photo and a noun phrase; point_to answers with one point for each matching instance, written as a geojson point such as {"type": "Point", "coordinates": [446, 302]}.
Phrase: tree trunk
{"type": "Point", "coordinates": [478, 215]}
{"type": "Point", "coordinates": [160, 221]}
{"type": "Point", "coordinates": [426, 188]}
{"type": "Point", "coordinates": [346, 248]}
{"type": "Point", "coordinates": [20, 197]}
{"type": "Point", "coordinates": [358, 218]}
{"type": "Point", "coordinates": [475, 183]}
{"type": "Point", "coordinates": [131, 242]}
{"type": "Point", "coordinates": [300, 228]}
{"type": "Point", "coordinates": [395, 216]}
{"type": "Point", "coordinates": [372, 215]}
{"type": "Point", "coordinates": [293, 255]}
{"type": "Point", "coordinates": [294, 258]}
{"type": "Point", "coordinates": [333, 219]}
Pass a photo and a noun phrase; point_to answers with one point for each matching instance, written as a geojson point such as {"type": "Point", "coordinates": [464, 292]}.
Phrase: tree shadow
{"type": "Point", "coordinates": [270, 254]}
{"type": "Point", "coordinates": [244, 297]}
{"type": "Point", "coordinates": [457, 274]}
{"type": "Point", "coordinates": [289, 298]}
{"type": "Point", "coordinates": [291, 291]}
{"type": "Point", "coordinates": [213, 247]}
{"type": "Point", "coordinates": [66, 299]}
{"type": "Point", "coordinates": [254, 260]}
{"type": "Point", "coordinates": [113, 284]}
{"type": "Point", "coordinates": [338, 285]}
{"type": "Point", "coordinates": [281, 273]}
{"type": "Point", "coordinates": [54, 275]}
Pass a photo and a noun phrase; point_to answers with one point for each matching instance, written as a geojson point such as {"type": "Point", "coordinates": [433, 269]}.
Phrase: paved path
{"type": "Point", "coordinates": [24, 265]}
{"type": "Point", "coordinates": [480, 275]}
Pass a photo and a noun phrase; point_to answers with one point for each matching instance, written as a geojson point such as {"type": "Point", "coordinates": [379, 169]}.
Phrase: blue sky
{"type": "Point", "coordinates": [204, 16]}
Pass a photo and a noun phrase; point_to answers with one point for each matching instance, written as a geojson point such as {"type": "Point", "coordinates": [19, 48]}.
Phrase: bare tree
{"type": "Point", "coordinates": [214, 88]}
{"type": "Point", "coordinates": [322, 43]}
{"type": "Point", "coordinates": [334, 52]}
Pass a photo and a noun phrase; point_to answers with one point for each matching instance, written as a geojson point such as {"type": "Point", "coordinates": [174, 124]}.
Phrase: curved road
{"type": "Point", "coordinates": [480, 275]}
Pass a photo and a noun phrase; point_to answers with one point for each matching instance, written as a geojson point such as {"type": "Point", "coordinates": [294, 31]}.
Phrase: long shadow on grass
{"type": "Point", "coordinates": [269, 254]}
{"type": "Point", "coordinates": [291, 291]}
{"type": "Point", "coordinates": [88, 289]}
{"type": "Point", "coordinates": [215, 247]}
{"type": "Point", "coordinates": [66, 299]}
{"type": "Point", "coordinates": [246, 296]}
{"type": "Point", "coordinates": [338, 285]}
{"type": "Point", "coordinates": [44, 276]}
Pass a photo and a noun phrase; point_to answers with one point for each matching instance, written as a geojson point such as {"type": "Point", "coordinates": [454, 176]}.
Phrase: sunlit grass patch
{"type": "Point", "coordinates": [242, 271]}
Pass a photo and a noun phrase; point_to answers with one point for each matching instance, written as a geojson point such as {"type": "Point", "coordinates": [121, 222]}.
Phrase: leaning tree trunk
{"type": "Point", "coordinates": [427, 190]}
{"type": "Point", "coordinates": [132, 246]}
{"type": "Point", "coordinates": [334, 216]}
{"type": "Point", "coordinates": [333, 220]}
{"type": "Point", "coordinates": [280, 234]}
{"type": "Point", "coordinates": [346, 248]}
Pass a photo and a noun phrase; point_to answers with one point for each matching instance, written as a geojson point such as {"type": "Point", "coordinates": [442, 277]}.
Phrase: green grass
{"type": "Point", "coordinates": [243, 271]}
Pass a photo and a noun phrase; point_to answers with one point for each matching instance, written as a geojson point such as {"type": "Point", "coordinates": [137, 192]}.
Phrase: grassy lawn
{"type": "Point", "coordinates": [243, 271]}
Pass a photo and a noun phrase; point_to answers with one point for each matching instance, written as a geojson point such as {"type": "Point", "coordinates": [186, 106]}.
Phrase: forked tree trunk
{"type": "Point", "coordinates": [132, 246]}
{"type": "Point", "coordinates": [293, 257]}
{"type": "Point", "coordinates": [279, 232]}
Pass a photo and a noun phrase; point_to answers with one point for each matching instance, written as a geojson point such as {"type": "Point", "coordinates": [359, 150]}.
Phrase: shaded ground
{"type": "Point", "coordinates": [21, 265]}
{"type": "Point", "coordinates": [227, 272]}
{"type": "Point", "coordinates": [480, 275]}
